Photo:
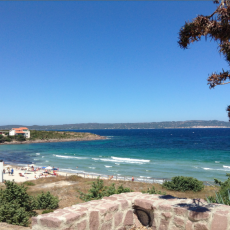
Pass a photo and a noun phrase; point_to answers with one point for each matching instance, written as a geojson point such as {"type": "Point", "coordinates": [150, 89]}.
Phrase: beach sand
{"type": "Point", "coordinates": [29, 174]}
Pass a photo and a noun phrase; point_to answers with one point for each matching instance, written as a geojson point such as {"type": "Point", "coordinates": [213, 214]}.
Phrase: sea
{"type": "Point", "coordinates": [146, 154]}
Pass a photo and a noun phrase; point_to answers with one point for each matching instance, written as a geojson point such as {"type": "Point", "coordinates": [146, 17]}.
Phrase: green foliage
{"type": "Point", "coordinates": [20, 138]}
{"type": "Point", "coordinates": [43, 135]}
{"type": "Point", "coordinates": [153, 191]}
{"type": "Point", "coordinates": [8, 138]}
{"type": "Point", "coordinates": [16, 206]}
{"type": "Point", "coordinates": [47, 211]}
{"type": "Point", "coordinates": [28, 183]}
{"type": "Point", "coordinates": [181, 183]}
{"type": "Point", "coordinates": [47, 201]}
{"type": "Point", "coordinates": [98, 191]}
{"type": "Point", "coordinates": [223, 196]}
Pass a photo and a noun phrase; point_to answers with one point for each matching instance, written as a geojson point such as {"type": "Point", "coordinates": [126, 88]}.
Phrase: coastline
{"type": "Point", "coordinates": [93, 138]}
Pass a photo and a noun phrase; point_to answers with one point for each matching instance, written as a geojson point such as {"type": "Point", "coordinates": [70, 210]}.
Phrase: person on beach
{"type": "Point", "coordinates": [8, 170]}
{"type": "Point", "coordinates": [132, 178]}
{"type": "Point", "coordinates": [12, 172]}
{"type": "Point", "coordinates": [4, 171]}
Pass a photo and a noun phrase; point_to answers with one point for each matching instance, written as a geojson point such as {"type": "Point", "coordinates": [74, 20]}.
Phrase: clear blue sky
{"type": "Point", "coordinates": [107, 61]}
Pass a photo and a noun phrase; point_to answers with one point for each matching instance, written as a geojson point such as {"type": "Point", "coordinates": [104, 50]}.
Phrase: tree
{"type": "Point", "coordinates": [217, 27]}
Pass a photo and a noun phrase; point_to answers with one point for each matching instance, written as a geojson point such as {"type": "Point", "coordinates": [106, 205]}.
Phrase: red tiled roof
{"type": "Point", "coordinates": [19, 131]}
{"type": "Point", "coordinates": [23, 128]}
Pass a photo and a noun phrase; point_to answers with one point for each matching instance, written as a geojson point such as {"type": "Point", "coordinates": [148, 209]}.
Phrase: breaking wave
{"type": "Point", "coordinates": [122, 160]}
{"type": "Point", "coordinates": [69, 157]}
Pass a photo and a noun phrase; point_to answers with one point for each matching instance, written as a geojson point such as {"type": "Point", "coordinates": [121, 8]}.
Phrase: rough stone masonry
{"type": "Point", "coordinates": [126, 210]}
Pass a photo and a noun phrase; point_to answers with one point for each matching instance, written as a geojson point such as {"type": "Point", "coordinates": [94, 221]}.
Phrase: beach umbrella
{"type": "Point", "coordinates": [49, 167]}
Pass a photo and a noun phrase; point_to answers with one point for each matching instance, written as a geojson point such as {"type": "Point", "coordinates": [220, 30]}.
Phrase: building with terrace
{"type": "Point", "coordinates": [20, 131]}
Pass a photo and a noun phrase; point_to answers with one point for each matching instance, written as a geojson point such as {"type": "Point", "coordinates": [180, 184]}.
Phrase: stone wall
{"type": "Point", "coordinates": [126, 210]}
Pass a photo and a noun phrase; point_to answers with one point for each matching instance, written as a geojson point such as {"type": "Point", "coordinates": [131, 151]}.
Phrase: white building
{"type": "Point", "coordinates": [20, 131]}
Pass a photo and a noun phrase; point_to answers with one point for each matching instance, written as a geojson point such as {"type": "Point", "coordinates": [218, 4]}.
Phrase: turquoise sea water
{"type": "Point", "coordinates": [201, 153]}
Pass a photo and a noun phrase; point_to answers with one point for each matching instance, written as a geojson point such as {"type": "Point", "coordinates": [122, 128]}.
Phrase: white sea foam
{"type": "Point", "coordinates": [130, 159]}
{"type": "Point", "coordinates": [122, 160]}
{"type": "Point", "coordinates": [42, 156]}
{"type": "Point", "coordinates": [117, 164]}
{"type": "Point", "coordinates": [108, 166]}
{"type": "Point", "coordinates": [217, 162]}
{"type": "Point", "coordinates": [37, 154]}
{"type": "Point", "coordinates": [47, 161]}
{"type": "Point", "coordinates": [225, 166]}
{"type": "Point", "coordinates": [92, 167]}
{"type": "Point", "coordinates": [70, 157]}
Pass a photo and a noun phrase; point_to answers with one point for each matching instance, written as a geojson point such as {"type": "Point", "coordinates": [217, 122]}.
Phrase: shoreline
{"type": "Point", "coordinates": [95, 138]}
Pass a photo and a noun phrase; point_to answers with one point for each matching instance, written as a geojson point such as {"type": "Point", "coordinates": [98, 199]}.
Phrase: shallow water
{"type": "Point", "coordinates": [200, 153]}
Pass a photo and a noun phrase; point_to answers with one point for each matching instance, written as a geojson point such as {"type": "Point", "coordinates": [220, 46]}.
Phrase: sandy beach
{"type": "Point", "coordinates": [29, 174]}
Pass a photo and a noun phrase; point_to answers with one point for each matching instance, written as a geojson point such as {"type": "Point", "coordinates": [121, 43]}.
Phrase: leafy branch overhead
{"type": "Point", "coordinates": [217, 27]}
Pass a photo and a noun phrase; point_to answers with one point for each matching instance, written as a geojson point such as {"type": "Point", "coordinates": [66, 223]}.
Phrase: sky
{"type": "Point", "coordinates": [66, 62]}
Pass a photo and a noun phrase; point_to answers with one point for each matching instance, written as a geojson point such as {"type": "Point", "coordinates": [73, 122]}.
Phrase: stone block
{"type": "Point", "coordinates": [143, 203]}
{"type": "Point", "coordinates": [74, 216]}
{"type": "Point", "coordinates": [188, 225]}
{"type": "Point", "coordinates": [106, 226]}
{"type": "Point", "coordinates": [124, 204]}
{"type": "Point", "coordinates": [50, 222]}
{"type": "Point", "coordinates": [118, 218]}
{"type": "Point", "coordinates": [110, 207]}
{"type": "Point", "coordinates": [200, 226]}
{"type": "Point", "coordinates": [164, 225]}
{"type": "Point", "coordinates": [179, 211]}
{"type": "Point", "coordinates": [94, 220]}
{"type": "Point", "coordinates": [128, 218]}
{"type": "Point", "coordinates": [178, 221]}
{"type": "Point", "coordinates": [82, 225]}
{"type": "Point", "coordinates": [165, 207]}
{"type": "Point", "coordinates": [108, 216]}
{"type": "Point", "coordinates": [198, 215]}
{"type": "Point", "coordinates": [166, 215]}
{"type": "Point", "coordinates": [219, 222]}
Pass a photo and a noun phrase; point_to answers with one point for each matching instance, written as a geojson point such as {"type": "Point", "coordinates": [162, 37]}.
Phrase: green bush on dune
{"type": "Point", "coordinates": [223, 196]}
{"type": "Point", "coordinates": [181, 183]}
{"type": "Point", "coordinates": [154, 191]}
{"type": "Point", "coordinates": [98, 191]}
{"type": "Point", "coordinates": [17, 206]}
{"type": "Point", "coordinates": [46, 201]}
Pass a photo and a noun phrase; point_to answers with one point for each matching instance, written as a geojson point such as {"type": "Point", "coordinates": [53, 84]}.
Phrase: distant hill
{"type": "Point", "coordinates": [147, 125]}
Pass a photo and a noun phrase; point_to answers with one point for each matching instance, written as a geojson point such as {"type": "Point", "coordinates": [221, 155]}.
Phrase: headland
{"type": "Point", "coordinates": [53, 136]}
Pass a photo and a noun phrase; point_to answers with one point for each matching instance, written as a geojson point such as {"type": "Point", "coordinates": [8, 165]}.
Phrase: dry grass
{"type": "Point", "coordinates": [68, 195]}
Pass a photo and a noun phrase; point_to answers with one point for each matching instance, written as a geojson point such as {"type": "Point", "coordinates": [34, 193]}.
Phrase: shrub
{"type": "Point", "coordinates": [16, 206]}
{"type": "Point", "coordinates": [181, 183]}
{"type": "Point", "coordinates": [47, 201]}
{"type": "Point", "coordinates": [98, 191]}
{"type": "Point", "coordinates": [28, 183]}
{"type": "Point", "coordinates": [153, 191]}
{"type": "Point", "coordinates": [223, 196]}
